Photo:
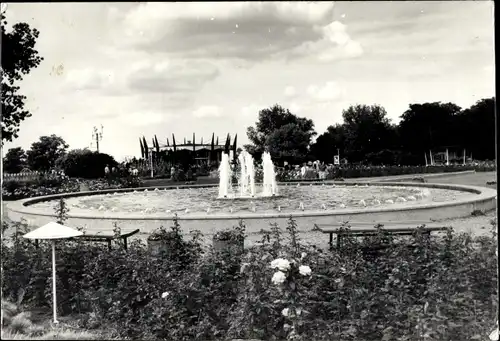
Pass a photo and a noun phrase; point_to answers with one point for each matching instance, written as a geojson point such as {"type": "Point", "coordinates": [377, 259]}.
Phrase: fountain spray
{"type": "Point", "coordinates": [224, 177]}
{"type": "Point", "coordinates": [270, 187]}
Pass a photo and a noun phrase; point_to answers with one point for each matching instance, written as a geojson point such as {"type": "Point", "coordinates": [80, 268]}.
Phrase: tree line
{"type": "Point", "coordinates": [51, 152]}
{"type": "Point", "coordinates": [368, 136]}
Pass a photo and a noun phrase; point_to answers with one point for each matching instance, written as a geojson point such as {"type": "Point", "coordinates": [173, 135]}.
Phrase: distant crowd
{"type": "Point", "coordinates": [307, 170]}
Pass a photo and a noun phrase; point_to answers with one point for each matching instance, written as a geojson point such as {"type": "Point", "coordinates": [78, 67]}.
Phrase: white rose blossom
{"type": "Point", "coordinates": [281, 264]}
{"type": "Point", "coordinates": [285, 312]}
{"type": "Point", "coordinates": [494, 335]}
{"type": "Point", "coordinates": [244, 266]}
{"type": "Point", "coordinates": [278, 278]}
{"type": "Point", "coordinates": [165, 295]}
{"type": "Point", "coordinates": [305, 270]}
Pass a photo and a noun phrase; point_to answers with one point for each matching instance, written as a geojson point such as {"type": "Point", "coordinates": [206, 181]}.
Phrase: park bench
{"type": "Point", "coordinates": [363, 230]}
{"type": "Point", "coordinates": [106, 237]}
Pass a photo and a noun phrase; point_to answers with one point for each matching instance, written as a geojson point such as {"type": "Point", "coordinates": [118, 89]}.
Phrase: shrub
{"type": "Point", "coordinates": [377, 288]}
{"type": "Point", "coordinates": [15, 190]}
{"type": "Point", "coordinates": [84, 163]}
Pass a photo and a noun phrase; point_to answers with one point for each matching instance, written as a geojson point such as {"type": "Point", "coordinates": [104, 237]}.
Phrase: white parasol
{"type": "Point", "coordinates": [53, 231]}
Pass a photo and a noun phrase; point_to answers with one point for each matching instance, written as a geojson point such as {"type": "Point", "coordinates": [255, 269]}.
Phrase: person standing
{"type": "Point", "coordinates": [303, 171]}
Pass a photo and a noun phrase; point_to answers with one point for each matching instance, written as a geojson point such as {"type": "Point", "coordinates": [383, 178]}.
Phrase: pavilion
{"type": "Point", "coordinates": [200, 153]}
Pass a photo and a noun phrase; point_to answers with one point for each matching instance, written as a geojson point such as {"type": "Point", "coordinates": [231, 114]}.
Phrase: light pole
{"type": "Point", "coordinates": [97, 136]}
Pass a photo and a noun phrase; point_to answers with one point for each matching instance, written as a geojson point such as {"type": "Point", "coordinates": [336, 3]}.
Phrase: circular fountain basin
{"type": "Point", "coordinates": [198, 208]}
{"type": "Point", "coordinates": [258, 196]}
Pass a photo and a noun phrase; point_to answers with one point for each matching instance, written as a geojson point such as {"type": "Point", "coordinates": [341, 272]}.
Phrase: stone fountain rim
{"type": "Point", "coordinates": [482, 194]}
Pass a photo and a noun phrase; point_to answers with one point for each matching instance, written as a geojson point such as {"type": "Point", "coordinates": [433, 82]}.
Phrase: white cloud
{"type": "Point", "coordinates": [207, 111]}
{"type": "Point", "coordinates": [171, 75]}
{"type": "Point", "coordinates": [330, 91]}
{"type": "Point", "coordinates": [239, 30]}
{"type": "Point", "coordinates": [143, 119]}
{"type": "Point", "coordinates": [335, 44]}
{"type": "Point", "coordinates": [290, 91]}
{"type": "Point", "coordinates": [89, 79]}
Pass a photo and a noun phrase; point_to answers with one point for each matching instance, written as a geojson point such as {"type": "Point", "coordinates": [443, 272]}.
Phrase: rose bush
{"type": "Point", "coordinates": [443, 288]}
{"type": "Point", "coordinates": [362, 171]}
{"type": "Point", "coordinates": [15, 190]}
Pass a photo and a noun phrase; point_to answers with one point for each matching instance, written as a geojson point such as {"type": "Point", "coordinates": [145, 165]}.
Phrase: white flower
{"type": "Point", "coordinates": [494, 335]}
{"type": "Point", "coordinates": [280, 264]}
{"type": "Point", "coordinates": [305, 270]}
{"type": "Point", "coordinates": [303, 255]}
{"type": "Point", "coordinates": [244, 266]}
{"type": "Point", "coordinates": [285, 312]}
{"type": "Point", "coordinates": [278, 278]}
{"type": "Point", "coordinates": [165, 295]}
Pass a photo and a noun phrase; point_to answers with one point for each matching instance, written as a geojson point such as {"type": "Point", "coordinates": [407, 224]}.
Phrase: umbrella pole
{"type": "Point", "coordinates": [54, 301]}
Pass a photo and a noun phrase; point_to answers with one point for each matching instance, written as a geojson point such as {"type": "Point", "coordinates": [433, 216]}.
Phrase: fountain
{"type": "Point", "coordinates": [246, 178]}
{"type": "Point", "coordinates": [225, 177]}
{"type": "Point", "coordinates": [270, 188]}
{"type": "Point", "coordinates": [317, 203]}
{"type": "Point", "coordinates": [247, 175]}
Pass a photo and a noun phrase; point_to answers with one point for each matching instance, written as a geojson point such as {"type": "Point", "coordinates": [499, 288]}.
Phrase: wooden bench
{"type": "Point", "coordinates": [105, 237]}
{"type": "Point", "coordinates": [392, 228]}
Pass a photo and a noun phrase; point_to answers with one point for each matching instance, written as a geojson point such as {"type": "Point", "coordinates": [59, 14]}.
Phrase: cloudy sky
{"type": "Point", "coordinates": [162, 68]}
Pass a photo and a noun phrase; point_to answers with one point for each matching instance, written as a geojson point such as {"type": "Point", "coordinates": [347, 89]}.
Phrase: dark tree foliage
{"type": "Point", "coordinates": [367, 130]}
{"type": "Point", "coordinates": [15, 160]}
{"type": "Point", "coordinates": [329, 143]}
{"type": "Point", "coordinates": [475, 127]}
{"type": "Point", "coordinates": [429, 125]}
{"type": "Point", "coordinates": [83, 163]}
{"type": "Point", "coordinates": [285, 135]}
{"type": "Point", "coordinates": [19, 57]}
{"type": "Point", "coordinates": [44, 153]}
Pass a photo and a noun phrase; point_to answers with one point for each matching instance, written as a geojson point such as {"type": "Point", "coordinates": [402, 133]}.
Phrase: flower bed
{"type": "Point", "coordinates": [348, 172]}
{"type": "Point", "coordinates": [444, 289]}
{"type": "Point", "coordinates": [15, 190]}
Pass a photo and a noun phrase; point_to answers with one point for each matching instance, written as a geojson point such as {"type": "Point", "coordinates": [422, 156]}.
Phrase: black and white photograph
{"type": "Point", "coordinates": [249, 171]}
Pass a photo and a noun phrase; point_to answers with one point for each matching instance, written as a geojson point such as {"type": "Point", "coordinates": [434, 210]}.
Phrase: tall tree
{"type": "Point", "coordinates": [329, 143]}
{"type": "Point", "coordinates": [19, 57]}
{"type": "Point", "coordinates": [288, 143]}
{"type": "Point", "coordinates": [428, 126]}
{"type": "Point", "coordinates": [14, 160]}
{"type": "Point", "coordinates": [367, 130]}
{"type": "Point", "coordinates": [44, 153]}
{"type": "Point", "coordinates": [265, 133]}
{"type": "Point", "coordinates": [476, 129]}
